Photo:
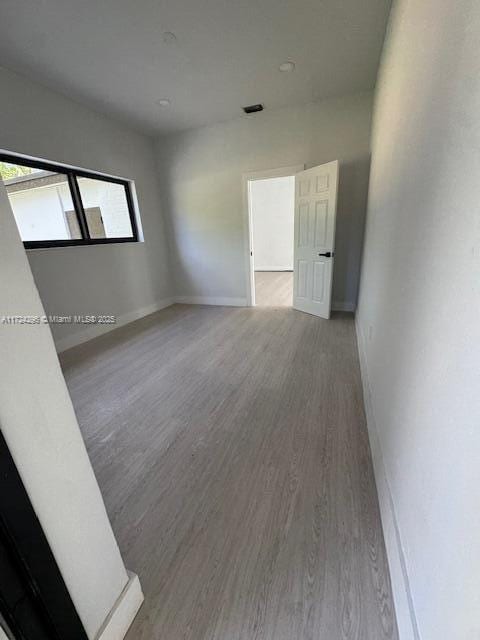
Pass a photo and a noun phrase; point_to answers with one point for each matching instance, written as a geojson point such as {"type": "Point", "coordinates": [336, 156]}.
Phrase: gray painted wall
{"type": "Point", "coordinates": [419, 311]}
{"type": "Point", "coordinates": [104, 279]}
{"type": "Point", "coordinates": [201, 184]}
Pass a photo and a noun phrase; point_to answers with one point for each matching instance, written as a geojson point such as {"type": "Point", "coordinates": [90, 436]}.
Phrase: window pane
{"type": "Point", "coordinates": [106, 208]}
{"type": "Point", "coordinates": [41, 203]}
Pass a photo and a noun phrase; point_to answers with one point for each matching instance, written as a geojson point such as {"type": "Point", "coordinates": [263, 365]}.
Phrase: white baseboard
{"type": "Point", "coordinates": [94, 330]}
{"type": "Point", "coordinates": [124, 611]}
{"type": "Point", "coordinates": [208, 300]}
{"type": "Point", "coordinates": [344, 306]}
{"type": "Point", "coordinates": [285, 269]}
{"type": "Point", "coordinates": [404, 607]}
{"type": "Point", "coordinates": [242, 302]}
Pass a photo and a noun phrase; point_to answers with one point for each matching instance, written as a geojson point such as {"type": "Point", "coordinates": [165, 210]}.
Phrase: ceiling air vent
{"type": "Point", "coordinates": [253, 108]}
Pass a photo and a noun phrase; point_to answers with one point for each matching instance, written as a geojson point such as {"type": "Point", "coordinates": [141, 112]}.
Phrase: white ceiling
{"type": "Point", "coordinates": [111, 54]}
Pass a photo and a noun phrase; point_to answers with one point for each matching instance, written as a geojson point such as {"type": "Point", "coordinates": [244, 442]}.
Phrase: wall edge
{"type": "Point", "coordinates": [402, 596]}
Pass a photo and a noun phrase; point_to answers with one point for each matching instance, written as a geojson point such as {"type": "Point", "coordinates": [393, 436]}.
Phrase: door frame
{"type": "Point", "coordinates": [30, 573]}
{"type": "Point", "coordinates": [281, 172]}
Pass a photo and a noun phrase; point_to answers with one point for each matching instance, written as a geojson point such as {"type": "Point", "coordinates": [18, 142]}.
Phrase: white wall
{"type": "Point", "coordinates": [41, 430]}
{"type": "Point", "coordinates": [272, 203]}
{"type": "Point", "coordinates": [201, 185]}
{"type": "Point", "coordinates": [123, 278]}
{"type": "Point", "coordinates": [419, 310]}
{"type": "Point", "coordinates": [39, 213]}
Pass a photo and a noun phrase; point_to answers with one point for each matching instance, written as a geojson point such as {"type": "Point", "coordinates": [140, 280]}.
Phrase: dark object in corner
{"type": "Point", "coordinates": [34, 600]}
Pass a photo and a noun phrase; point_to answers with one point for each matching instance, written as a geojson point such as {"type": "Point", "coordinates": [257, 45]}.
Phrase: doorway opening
{"type": "Point", "coordinates": [271, 202]}
{"type": "Point", "coordinates": [298, 213]}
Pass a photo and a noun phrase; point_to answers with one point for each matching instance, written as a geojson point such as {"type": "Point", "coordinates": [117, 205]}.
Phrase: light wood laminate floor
{"type": "Point", "coordinates": [231, 449]}
{"type": "Point", "coordinates": [273, 288]}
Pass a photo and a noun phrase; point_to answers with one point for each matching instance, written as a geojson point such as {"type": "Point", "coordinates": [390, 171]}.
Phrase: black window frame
{"type": "Point", "coordinates": [72, 175]}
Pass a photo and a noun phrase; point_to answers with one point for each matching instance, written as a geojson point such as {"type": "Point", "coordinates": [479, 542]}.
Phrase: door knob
{"type": "Point", "coordinates": [328, 254]}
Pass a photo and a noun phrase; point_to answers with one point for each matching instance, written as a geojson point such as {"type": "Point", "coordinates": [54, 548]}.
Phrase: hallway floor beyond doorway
{"type": "Point", "coordinates": [273, 288]}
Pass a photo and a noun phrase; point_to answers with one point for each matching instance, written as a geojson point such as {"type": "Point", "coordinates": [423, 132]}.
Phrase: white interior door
{"type": "Point", "coordinates": [314, 244]}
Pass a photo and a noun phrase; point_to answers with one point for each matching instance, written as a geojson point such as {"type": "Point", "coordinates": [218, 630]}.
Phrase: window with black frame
{"type": "Point", "coordinates": [57, 206]}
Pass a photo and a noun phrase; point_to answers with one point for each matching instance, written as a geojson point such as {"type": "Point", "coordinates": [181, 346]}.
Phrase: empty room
{"type": "Point", "coordinates": [239, 320]}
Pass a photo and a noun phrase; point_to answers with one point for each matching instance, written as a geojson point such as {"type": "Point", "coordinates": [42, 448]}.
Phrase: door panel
{"type": "Point", "coordinates": [318, 281]}
{"type": "Point", "coordinates": [303, 225]}
{"type": "Point", "coordinates": [301, 278]}
{"type": "Point", "coordinates": [322, 183]}
{"type": "Point", "coordinates": [315, 212]}
{"type": "Point", "coordinates": [321, 222]}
